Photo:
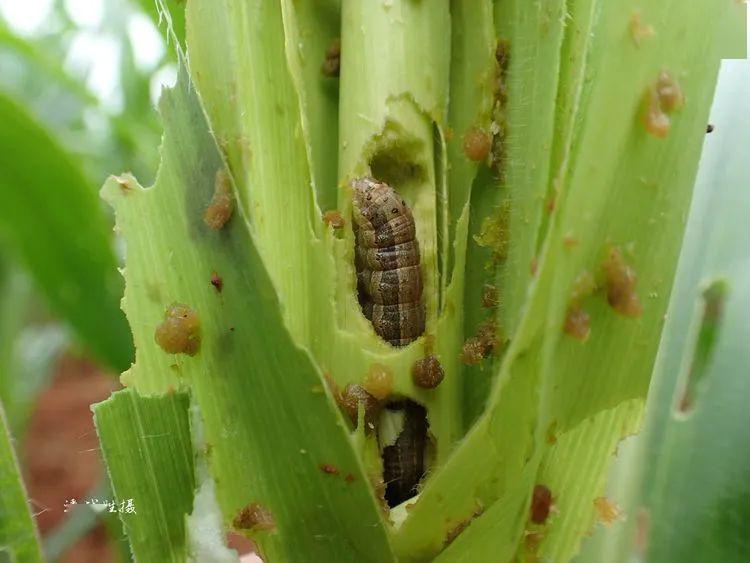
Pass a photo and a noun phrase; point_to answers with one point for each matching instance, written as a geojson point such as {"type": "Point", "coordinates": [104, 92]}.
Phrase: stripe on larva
{"type": "Point", "coordinates": [389, 280]}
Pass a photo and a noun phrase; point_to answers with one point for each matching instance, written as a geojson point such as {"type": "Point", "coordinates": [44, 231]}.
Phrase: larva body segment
{"type": "Point", "coordinates": [389, 279]}
{"type": "Point", "coordinates": [404, 461]}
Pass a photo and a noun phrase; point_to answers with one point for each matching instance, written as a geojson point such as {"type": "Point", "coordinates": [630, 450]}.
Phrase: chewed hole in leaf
{"type": "Point", "coordinates": [403, 436]}
{"type": "Point", "coordinates": [712, 304]}
{"type": "Point", "coordinates": [395, 159]}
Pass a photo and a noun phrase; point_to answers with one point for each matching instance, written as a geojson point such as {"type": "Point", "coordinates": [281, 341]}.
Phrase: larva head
{"type": "Point", "coordinates": [375, 203]}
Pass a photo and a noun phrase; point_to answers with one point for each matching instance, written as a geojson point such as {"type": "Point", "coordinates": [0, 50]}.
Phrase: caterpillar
{"type": "Point", "coordinates": [389, 279]}
{"type": "Point", "coordinates": [404, 461]}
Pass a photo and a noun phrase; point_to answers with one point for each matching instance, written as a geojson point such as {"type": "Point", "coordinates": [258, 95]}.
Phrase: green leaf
{"type": "Point", "coordinates": [312, 28]}
{"type": "Point", "coordinates": [53, 222]}
{"type": "Point", "coordinates": [684, 482]}
{"type": "Point", "coordinates": [261, 132]}
{"type": "Point", "coordinates": [18, 535]}
{"type": "Point", "coordinates": [147, 447]}
{"type": "Point", "coordinates": [262, 399]}
{"type": "Point", "coordinates": [613, 193]}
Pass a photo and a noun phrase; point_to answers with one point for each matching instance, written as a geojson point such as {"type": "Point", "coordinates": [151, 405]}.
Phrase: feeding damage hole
{"type": "Point", "coordinates": [404, 442]}
{"type": "Point", "coordinates": [713, 300]}
{"type": "Point", "coordinates": [394, 160]}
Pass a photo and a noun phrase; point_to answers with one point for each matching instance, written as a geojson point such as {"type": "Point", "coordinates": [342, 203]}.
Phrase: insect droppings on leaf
{"type": "Point", "coordinates": [639, 30]}
{"type": "Point", "coordinates": [607, 511]}
{"type": "Point", "coordinates": [583, 286]}
{"type": "Point", "coordinates": [620, 280]}
{"type": "Point", "coordinates": [494, 233]}
{"type": "Point", "coordinates": [332, 62]}
{"type": "Point", "coordinates": [489, 296]}
{"type": "Point", "coordinates": [502, 54]}
{"type": "Point", "coordinates": [670, 94]}
{"type": "Point", "coordinates": [334, 219]}
{"type": "Point", "coordinates": [220, 210]}
{"type": "Point", "coordinates": [654, 119]}
{"type": "Point", "coordinates": [329, 469]}
{"type": "Point", "coordinates": [499, 125]}
{"type": "Point", "coordinates": [477, 144]}
{"type": "Point", "coordinates": [472, 352]}
{"type": "Point", "coordinates": [179, 332]}
{"type": "Point", "coordinates": [661, 99]}
{"type": "Point", "coordinates": [552, 433]}
{"type": "Point", "coordinates": [217, 282]}
{"type": "Point", "coordinates": [255, 517]}
{"type": "Point", "coordinates": [488, 335]}
{"type": "Point", "coordinates": [427, 372]}
{"type": "Point", "coordinates": [354, 395]}
{"type": "Point", "coordinates": [379, 381]}
{"type": "Point", "coordinates": [577, 323]}
{"type": "Point", "coordinates": [484, 343]}
{"type": "Point", "coordinates": [709, 128]}
{"type": "Point", "coordinates": [541, 503]}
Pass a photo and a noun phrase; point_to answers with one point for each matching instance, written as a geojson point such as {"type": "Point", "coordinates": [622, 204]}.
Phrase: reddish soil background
{"type": "Point", "coordinates": [60, 453]}
{"type": "Point", "coordinates": [61, 460]}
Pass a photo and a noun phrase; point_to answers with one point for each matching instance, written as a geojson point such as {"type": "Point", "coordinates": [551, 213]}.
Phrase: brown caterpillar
{"type": "Point", "coordinates": [389, 279]}
{"type": "Point", "coordinates": [404, 461]}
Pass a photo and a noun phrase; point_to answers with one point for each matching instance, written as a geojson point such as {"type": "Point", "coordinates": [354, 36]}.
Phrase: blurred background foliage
{"type": "Point", "coordinates": [78, 84]}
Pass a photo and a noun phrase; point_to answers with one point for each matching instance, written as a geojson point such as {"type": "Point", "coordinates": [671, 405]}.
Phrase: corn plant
{"type": "Point", "coordinates": [546, 151]}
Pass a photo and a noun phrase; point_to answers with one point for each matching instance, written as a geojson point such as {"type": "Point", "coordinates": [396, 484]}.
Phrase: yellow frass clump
{"type": "Point", "coordinates": [179, 332]}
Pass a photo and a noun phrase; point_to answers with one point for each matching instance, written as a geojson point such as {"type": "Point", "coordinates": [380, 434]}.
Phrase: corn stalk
{"type": "Point", "coordinates": [574, 214]}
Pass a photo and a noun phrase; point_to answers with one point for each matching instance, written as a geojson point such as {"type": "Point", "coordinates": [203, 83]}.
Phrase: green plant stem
{"type": "Point", "coordinates": [394, 84]}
